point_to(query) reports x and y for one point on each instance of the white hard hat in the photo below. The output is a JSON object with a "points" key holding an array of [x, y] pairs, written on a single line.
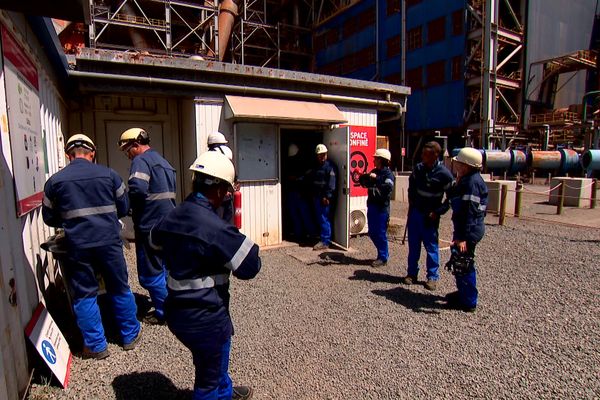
{"points": [[133, 135], [469, 156], [216, 138], [321, 148], [216, 165], [293, 150], [225, 150], [79, 140], [383, 153]]}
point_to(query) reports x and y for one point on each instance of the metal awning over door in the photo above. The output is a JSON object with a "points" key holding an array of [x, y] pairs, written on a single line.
{"points": [[277, 110]]}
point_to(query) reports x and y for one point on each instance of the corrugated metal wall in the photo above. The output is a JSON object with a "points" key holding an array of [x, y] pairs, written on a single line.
{"points": [[360, 117], [23, 265]]}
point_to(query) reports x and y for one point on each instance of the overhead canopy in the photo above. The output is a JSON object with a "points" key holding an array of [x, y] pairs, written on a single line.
{"points": [[254, 108]]}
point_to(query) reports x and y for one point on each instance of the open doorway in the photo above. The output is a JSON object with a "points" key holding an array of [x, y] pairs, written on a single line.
{"points": [[299, 223]]}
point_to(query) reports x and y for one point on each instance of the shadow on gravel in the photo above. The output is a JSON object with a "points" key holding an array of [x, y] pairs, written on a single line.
{"points": [[336, 257], [147, 385], [418, 302], [365, 275], [585, 241], [143, 304]]}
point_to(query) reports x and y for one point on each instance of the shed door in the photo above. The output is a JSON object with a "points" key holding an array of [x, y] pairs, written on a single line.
{"points": [[337, 142]]}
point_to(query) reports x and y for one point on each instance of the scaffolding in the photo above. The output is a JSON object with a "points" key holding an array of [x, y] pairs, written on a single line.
{"points": [[154, 26], [267, 33], [493, 66]]}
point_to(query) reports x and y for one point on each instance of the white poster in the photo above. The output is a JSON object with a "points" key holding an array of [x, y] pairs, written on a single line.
{"points": [[50, 343], [24, 124]]}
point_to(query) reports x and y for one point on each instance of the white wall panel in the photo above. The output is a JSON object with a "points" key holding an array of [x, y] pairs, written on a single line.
{"points": [[208, 119], [261, 212], [359, 116]]}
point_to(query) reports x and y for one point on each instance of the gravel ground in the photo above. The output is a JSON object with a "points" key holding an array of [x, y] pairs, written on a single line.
{"points": [[332, 327]]}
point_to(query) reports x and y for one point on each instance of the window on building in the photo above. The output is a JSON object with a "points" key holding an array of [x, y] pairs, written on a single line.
{"points": [[393, 46], [458, 22], [457, 66], [410, 3], [393, 6], [436, 30], [414, 38], [366, 19], [414, 78], [349, 28], [436, 73], [394, 79]]}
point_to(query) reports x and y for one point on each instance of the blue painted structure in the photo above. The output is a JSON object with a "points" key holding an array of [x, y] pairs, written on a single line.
{"points": [[431, 106]]}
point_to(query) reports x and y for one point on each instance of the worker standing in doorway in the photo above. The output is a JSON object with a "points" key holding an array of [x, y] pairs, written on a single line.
{"points": [[468, 199], [152, 196], [380, 184], [87, 200], [201, 251], [322, 180], [427, 184]]}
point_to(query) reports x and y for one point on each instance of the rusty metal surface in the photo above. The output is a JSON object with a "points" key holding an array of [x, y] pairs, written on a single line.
{"points": [[247, 71], [544, 159]]}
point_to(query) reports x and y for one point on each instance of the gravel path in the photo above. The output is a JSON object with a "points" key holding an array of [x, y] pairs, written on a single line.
{"points": [[332, 327]]}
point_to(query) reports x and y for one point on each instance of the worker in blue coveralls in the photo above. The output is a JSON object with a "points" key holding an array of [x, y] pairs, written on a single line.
{"points": [[87, 200], [216, 142], [380, 184], [322, 181], [151, 196], [201, 251], [427, 184], [468, 199]]}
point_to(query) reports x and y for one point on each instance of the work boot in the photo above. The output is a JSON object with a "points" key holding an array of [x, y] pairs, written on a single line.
{"points": [[409, 280], [431, 285], [242, 393], [320, 246], [87, 354], [134, 342], [153, 319], [378, 263]]}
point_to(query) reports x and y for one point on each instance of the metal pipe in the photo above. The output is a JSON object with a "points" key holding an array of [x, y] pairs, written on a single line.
{"points": [[591, 160], [387, 104], [584, 116]]}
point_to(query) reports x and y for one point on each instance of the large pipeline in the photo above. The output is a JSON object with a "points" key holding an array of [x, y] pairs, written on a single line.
{"points": [[513, 161], [591, 160]]}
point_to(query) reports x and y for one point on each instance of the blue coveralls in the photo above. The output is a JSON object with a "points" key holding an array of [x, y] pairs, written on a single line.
{"points": [[200, 251], [86, 200], [322, 183], [426, 190], [152, 196], [468, 199], [378, 210]]}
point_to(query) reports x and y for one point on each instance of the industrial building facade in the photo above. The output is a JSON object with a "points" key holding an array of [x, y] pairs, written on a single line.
{"points": [[503, 64]]}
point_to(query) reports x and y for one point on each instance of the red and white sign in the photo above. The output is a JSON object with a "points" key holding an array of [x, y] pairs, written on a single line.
{"points": [[363, 143], [403, 152], [50, 343], [24, 124]]}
